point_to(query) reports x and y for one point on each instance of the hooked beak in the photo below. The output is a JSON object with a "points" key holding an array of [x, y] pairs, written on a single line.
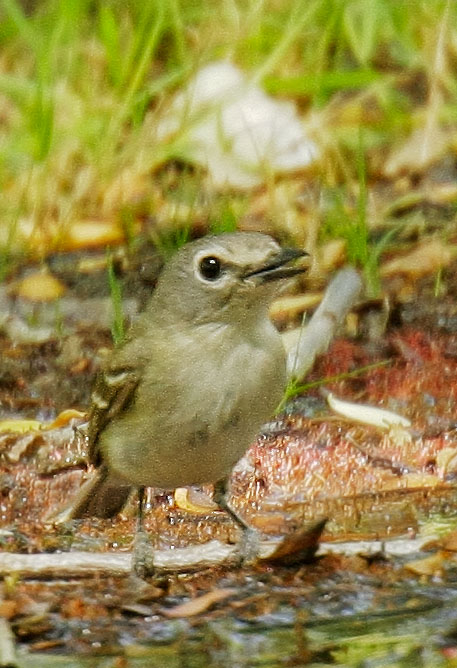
{"points": [[277, 270]]}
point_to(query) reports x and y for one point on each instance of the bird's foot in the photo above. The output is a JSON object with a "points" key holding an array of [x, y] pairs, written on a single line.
{"points": [[143, 555]]}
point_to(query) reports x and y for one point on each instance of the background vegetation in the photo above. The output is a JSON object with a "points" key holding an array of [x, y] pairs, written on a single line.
{"points": [[82, 84]]}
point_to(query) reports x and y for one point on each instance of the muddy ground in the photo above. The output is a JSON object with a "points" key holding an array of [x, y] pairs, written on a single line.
{"points": [[350, 604]]}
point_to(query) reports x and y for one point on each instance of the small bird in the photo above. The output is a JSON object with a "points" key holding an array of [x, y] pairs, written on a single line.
{"points": [[201, 370]]}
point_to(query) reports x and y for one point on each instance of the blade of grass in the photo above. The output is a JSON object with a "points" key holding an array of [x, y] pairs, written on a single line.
{"points": [[43, 121], [117, 326], [438, 286], [361, 236], [168, 243], [146, 41], [109, 34], [361, 27], [301, 14], [145, 56], [225, 220], [326, 82], [178, 29], [23, 26], [294, 388]]}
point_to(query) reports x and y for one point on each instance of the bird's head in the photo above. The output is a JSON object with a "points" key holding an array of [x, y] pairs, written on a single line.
{"points": [[226, 278]]}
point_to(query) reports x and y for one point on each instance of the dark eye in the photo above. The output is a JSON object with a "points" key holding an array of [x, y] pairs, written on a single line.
{"points": [[210, 268]]}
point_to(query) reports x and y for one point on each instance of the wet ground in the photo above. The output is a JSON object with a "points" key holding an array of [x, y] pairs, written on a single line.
{"points": [[368, 608]]}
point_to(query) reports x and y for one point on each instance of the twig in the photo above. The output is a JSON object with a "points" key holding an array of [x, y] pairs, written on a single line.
{"points": [[300, 546], [79, 564]]}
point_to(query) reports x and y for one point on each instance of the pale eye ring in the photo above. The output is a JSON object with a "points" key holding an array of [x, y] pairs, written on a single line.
{"points": [[210, 268]]}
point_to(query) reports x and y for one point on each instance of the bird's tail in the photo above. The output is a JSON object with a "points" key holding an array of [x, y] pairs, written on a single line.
{"points": [[102, 496]]}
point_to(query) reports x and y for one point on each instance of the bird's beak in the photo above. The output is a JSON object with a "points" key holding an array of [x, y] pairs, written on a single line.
{"points": [[277, 270]]}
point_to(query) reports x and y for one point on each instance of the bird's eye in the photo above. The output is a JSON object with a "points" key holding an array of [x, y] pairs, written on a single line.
{"points": [[210, 268]]}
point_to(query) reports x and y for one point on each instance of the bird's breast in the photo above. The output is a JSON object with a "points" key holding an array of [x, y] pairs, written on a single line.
{"points": [[208, 403]]}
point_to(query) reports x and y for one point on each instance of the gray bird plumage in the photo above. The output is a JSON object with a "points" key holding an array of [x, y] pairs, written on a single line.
{"points": [[202, 369]]}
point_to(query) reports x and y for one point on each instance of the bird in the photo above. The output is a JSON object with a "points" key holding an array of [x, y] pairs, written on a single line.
{"points": [[201, 370]]}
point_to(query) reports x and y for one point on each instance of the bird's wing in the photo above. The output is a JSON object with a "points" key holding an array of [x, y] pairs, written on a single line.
{"points": [[114, 390]]}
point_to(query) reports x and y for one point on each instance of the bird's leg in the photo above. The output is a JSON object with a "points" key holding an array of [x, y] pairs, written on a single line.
{"points": [[143, 554], [140, 509], [249, 543]]}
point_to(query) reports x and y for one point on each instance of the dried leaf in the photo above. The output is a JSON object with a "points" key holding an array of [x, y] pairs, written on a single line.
{"points": [[297, 547], [200, 604], [24, 426], [64, 418], [20, 426], [432, 565], [427, 258], [424, 147], [193, 502], [332, 254], [8, 609], [270, 522], [89, 233], [25, 442], [446, 461], [288, 307], [450, 542], [40, 286], [441, 193], [378, 417], [137, 609]]}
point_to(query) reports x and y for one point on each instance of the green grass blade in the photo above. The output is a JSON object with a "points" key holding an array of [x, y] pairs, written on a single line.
{"points": [[23, 26], [325, 82], [108, 31], [117, 326]]}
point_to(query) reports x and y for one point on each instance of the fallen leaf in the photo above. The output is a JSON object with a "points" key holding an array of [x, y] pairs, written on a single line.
{"points": [[371, 415], [193, 501], [441, 193], [432, 565], [332, 254], [298, 547], [89, 233], [269, 522], [137, 609], [24, 426], [288, 307], [422, 148], [20, 426], [45, 645], [24, 443], [427, 258], [40, 286], [446, 461], [8, 609], [64, 418], [450, 542], [200, 604]]}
